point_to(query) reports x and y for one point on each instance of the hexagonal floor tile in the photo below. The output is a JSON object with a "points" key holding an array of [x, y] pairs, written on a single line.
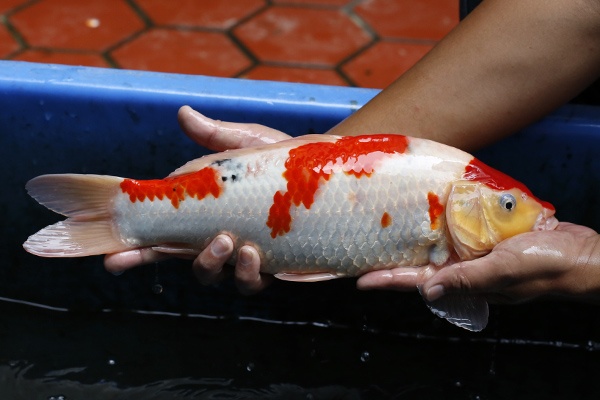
{"points": [[289, 74], [304, 36], [207, 13], [423, 19], [7, 43], [7, 5], [313, 2], [186, 52], [380, 65], [58, 57], [76, 24]]}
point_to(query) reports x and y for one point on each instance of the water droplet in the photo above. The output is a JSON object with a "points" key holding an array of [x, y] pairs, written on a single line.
{"points": [[310, 396], [58, 397], [592, 346], [365, 356], [250, 367], [157, 288], [112, 362], [458, 384], [48, 116]]}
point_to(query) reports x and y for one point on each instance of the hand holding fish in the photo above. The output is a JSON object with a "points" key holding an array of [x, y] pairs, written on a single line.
{"points": [[564, 262]]}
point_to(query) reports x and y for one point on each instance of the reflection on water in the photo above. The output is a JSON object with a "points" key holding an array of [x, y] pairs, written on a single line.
{"points": [[54, 354], [64, 385]]}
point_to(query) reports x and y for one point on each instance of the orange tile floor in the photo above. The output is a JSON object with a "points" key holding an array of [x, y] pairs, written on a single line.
{"points": [[365, 43]]}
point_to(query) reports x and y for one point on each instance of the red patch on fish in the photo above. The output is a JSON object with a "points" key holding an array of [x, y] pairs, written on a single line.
{"points": [[310, 165], [435, 210], [480, 172], [386, 220], [197, 184]]}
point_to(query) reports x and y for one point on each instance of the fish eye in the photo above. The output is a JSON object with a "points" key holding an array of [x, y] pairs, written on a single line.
{"points": [[508, 202]]}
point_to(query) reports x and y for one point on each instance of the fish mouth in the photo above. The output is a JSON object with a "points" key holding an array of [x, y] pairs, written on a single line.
{"points": [[546, 221]]}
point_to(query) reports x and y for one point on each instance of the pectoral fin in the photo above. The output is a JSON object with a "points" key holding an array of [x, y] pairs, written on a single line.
{"points": [[176, 250], [467, 311], [317, 277]]}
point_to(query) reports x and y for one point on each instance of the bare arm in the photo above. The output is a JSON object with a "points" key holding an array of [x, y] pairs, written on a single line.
{"points": [[506, 65]]}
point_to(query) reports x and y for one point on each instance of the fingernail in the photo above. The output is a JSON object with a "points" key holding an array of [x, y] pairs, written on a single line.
{"points": [[435, 292], [245, 258], [219, 247]]}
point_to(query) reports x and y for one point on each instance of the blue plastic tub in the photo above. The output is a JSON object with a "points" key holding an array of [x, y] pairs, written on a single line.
{"points": [[85, 120], [90, 120]]}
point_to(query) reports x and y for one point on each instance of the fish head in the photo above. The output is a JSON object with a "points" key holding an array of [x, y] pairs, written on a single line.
{"points": [[484, 211]]}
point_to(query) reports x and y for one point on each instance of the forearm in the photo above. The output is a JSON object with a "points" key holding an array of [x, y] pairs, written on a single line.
{"points": [[506, 65]]}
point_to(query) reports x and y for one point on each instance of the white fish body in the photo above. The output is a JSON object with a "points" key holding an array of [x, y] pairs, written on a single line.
{"points": [[315, 207]]}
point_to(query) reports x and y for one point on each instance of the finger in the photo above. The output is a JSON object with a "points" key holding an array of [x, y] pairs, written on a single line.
{"points": [[208, 266], [248, 278], [401, 279], [118, 263], [219, 136], [487, 274]]}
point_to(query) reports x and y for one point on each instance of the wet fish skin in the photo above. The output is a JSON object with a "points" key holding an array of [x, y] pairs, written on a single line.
{"points": [[315, 207]]}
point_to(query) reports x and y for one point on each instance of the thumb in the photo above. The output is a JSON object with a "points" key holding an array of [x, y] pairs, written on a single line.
{"points": [[219, 135]]}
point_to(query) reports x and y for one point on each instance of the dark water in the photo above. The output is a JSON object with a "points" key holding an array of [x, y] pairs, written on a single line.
{"points": [[56, 354]]}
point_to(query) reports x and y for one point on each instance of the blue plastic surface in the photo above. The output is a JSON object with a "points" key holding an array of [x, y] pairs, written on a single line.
{"points": [[88, 120]]}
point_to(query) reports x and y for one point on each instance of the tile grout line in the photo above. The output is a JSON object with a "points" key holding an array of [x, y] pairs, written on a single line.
{"points": [[148, 24], [254, 60], [348, 9], [140, 13], [16, 35], [14, 32], [292, 64]]}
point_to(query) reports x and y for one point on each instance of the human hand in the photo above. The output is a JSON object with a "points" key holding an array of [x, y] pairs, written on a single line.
{"points": [[562, 262], [209, 265]]}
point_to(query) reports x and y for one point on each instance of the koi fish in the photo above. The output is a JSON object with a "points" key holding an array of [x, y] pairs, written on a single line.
{"points": [[316, 207]]}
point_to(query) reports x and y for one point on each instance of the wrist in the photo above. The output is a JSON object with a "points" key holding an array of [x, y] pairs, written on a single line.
{"points": [[585, 284]]}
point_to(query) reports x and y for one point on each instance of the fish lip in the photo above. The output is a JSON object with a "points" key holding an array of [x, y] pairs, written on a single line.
{"points": [[546, 221]]}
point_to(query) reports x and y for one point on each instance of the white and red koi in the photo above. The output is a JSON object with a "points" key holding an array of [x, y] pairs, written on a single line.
{"points": [[316, 207]]}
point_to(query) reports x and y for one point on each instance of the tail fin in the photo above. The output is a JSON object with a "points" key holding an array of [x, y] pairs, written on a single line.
{"points": [[85, 200]]}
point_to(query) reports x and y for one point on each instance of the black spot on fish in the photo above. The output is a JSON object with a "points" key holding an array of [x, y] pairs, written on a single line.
{"points": [[230, 169], [221, 162]]}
